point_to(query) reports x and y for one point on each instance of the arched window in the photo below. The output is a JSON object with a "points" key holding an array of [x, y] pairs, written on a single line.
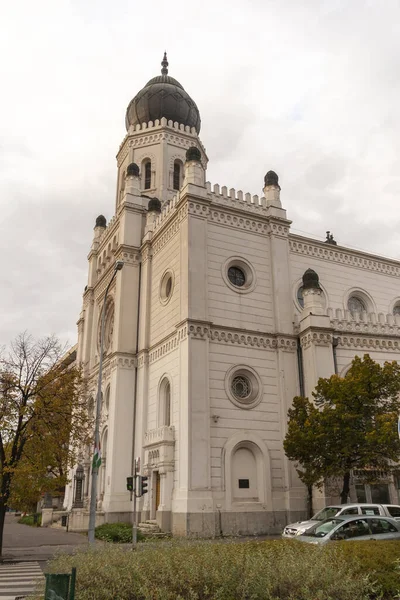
{"points": [[164, 414], [147, 175], [107, 400], [355, 304], [167, 404], [177, 175]]}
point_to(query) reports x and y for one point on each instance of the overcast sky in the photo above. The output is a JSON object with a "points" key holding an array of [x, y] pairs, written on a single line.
{"points": [[310, 89]]}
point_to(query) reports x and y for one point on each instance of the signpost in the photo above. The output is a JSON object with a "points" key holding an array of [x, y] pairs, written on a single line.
{"points": [[134, 526]]}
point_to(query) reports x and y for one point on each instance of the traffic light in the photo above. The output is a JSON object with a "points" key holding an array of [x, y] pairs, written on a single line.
{"points": [[142, 485], [129, 484]]}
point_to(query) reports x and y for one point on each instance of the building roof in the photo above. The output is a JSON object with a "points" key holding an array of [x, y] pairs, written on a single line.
{"points": [[163, 96]]}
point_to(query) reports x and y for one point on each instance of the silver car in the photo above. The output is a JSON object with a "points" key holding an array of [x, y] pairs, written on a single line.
{"points": [[352, 528], [336, 510]]}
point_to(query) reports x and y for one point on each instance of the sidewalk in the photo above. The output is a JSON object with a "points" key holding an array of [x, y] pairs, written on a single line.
{"points": [[24, 543]]}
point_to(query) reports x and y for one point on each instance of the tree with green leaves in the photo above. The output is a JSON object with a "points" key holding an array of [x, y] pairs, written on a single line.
{"points": [[351, 425], [301, 445], [43, 420]]}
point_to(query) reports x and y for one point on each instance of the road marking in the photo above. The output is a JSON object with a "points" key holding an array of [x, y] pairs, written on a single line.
{"points": [[19, 579]]}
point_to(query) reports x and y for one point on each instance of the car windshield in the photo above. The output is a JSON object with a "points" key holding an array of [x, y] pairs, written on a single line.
{"points": [[321, 529], [326, 513]]}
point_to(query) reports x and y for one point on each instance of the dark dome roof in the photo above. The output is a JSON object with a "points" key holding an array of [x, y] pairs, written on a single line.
{"points": [[311, 280], [154, 205], [163, 96], [193, 153], [132, 170], [271, 178], [101, 221]]}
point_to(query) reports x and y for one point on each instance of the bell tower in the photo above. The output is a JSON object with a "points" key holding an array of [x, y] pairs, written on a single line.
{"points": [[162, 122]]}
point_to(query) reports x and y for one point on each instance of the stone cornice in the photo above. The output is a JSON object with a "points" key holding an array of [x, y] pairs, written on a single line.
{"points": [[237, 220], [369, 343], [346, 256], [315, 338], [121, 360], [206, 330], [153, 133]]}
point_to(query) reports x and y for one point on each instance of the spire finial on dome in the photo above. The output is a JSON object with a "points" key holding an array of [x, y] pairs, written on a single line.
{"points": [[164, 64]]}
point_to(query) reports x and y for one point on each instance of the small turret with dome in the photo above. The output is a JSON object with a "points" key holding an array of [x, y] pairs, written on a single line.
{"points": [[163, 96]]}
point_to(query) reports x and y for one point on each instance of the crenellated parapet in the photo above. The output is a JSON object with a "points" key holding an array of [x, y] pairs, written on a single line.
{"points": [[236, 199]]}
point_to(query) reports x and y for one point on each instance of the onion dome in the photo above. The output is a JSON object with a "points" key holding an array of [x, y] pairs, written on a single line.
{"points": [[163, 96], [132, 170], [101, 221], [311, 280], [271, 178], [193, 153], [154, 205]]}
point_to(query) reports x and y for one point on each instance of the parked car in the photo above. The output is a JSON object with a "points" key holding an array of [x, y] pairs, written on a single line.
{"points": [[336, 510], [350, 528]]}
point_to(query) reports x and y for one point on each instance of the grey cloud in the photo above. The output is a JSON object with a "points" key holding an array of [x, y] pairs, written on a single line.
{"points": [[309, 89]]}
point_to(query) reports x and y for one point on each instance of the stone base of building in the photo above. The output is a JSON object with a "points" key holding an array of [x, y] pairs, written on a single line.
{"points": [[199, 525], [208, 525], [79, 519]]}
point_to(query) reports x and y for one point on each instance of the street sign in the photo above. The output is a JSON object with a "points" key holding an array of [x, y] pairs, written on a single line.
{"points": [[137, 464]]}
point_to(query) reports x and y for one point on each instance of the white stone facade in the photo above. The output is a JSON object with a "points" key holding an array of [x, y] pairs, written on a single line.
{"points": [[180, 335]]}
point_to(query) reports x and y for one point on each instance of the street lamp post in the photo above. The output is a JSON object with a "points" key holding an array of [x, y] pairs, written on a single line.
{"points": [[95, 467]]}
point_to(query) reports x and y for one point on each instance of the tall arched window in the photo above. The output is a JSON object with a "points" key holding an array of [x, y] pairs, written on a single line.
{"points": [[147, 175], [177, 175], [167, 404], [164, 403]]}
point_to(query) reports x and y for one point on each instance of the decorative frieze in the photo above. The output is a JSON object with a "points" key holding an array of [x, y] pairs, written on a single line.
{"points": [[299, 245], [316, 338], [202, 330], [368, 343], [237, 221]]}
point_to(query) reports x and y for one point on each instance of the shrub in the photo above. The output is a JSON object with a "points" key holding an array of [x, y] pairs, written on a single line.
{"points": [[120, 533], [276, 570], [30, 520], [379, 559]]}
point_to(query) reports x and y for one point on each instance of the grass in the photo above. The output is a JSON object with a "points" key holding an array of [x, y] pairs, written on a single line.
{"points": [[272, 570], [29, 520]]}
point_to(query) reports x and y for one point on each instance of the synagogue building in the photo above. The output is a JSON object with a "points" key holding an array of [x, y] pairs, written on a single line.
{"points": [[219, 317]]}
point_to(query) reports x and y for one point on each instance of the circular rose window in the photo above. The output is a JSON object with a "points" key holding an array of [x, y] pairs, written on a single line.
{"points": [[243, 386]]}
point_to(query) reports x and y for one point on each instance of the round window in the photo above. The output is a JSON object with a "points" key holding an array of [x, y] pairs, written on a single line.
{"points": [[239, 275], [166, 287], [243, 386], [396, 309], [236, 276], [355, 304], [300, 298]]}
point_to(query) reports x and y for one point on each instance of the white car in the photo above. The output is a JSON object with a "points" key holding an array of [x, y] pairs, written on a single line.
{"points": [[336, 510]]}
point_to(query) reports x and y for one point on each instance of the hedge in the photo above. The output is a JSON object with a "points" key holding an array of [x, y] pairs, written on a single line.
{"points": [[272, 570]]}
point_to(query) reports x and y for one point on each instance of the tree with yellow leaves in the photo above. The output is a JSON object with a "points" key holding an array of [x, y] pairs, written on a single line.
{"points": [[43, 420]]}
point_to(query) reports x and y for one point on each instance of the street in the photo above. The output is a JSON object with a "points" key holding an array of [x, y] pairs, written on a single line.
{"points": [[25, 553]]}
